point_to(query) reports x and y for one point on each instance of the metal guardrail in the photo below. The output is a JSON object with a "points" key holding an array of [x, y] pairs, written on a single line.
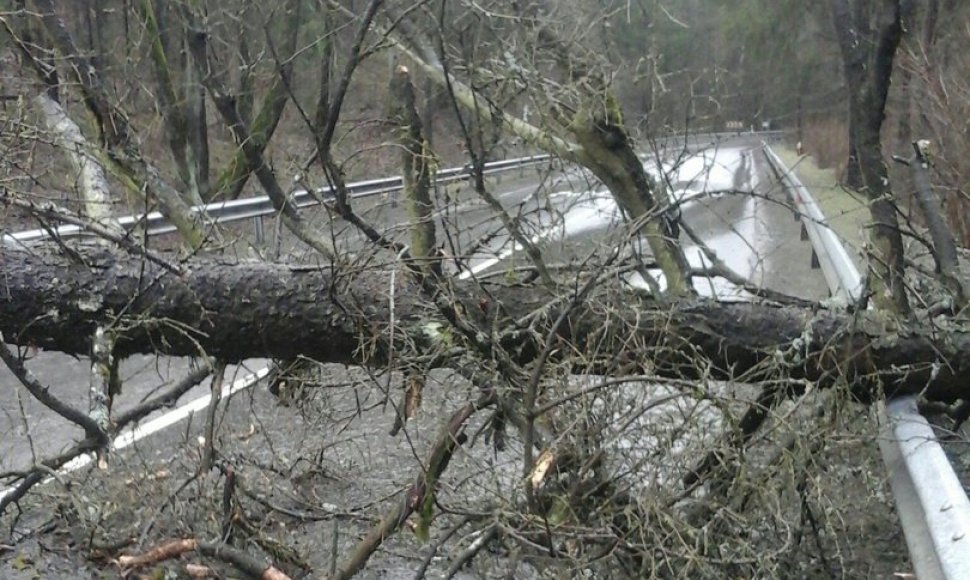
{"points": [[841, 274], [717, 137], [258, 207], [764, 135], [930, 500]]}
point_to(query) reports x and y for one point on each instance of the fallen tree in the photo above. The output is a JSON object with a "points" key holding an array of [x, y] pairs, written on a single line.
{"points": [[233, 311]]}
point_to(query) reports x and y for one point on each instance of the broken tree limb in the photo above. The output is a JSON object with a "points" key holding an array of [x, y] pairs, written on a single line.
{"points": [[175, 548], [944, 246], [416, 168], [235, 311], [104, 386]]}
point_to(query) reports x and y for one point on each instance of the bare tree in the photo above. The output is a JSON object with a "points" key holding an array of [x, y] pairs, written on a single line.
{"points": [[869, 33]]}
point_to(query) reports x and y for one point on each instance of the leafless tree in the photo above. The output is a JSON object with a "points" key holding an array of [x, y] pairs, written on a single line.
{"points": [[631, 432]]}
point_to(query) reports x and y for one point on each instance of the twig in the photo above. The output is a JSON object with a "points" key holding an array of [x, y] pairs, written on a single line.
{"points": [[210, 426], [471, 551], [38, 473], [415, 496], [531, 392], [751, 421], [721, 269], [52, 212], [166, 399], [175, 548], [91, 427], [422, 570]]}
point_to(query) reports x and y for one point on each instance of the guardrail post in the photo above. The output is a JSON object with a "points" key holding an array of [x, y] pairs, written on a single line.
{"points": [[260, 234]]}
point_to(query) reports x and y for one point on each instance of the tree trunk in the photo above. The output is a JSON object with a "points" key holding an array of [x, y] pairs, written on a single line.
{"points": [[92, 183], [121, 154], [868, 56], [195, 112], [246, 310], [262, 127]]}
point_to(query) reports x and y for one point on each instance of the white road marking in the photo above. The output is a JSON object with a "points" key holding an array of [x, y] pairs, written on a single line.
{"points": [[133, 435], [488, 263]]}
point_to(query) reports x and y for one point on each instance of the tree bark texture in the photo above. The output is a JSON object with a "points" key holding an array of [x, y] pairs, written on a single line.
{"points": [[235, 311], [868, 53]]}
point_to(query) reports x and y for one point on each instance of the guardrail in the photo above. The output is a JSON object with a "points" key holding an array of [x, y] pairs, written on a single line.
{"points": [[841, 274], [258, 207], [932, 505], [716, 137], [930, 500]]}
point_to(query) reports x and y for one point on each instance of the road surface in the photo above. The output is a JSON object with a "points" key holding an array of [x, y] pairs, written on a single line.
{"points": [[564, 212]]}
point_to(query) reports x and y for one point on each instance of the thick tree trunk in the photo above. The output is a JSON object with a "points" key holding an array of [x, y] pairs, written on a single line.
{"points": [[235, 311]]}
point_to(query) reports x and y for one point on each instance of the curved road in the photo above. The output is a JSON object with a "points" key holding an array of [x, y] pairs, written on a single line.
{"points": [[563, 212]]}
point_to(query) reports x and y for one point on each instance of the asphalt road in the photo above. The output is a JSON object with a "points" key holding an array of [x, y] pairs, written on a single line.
{"points": [[563, 212]]}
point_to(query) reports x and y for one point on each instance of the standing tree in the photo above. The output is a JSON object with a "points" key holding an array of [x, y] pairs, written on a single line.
{"points": [[869, 32]]}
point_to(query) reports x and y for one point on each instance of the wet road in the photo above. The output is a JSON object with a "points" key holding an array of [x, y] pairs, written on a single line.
{"points": [[567, 215]]}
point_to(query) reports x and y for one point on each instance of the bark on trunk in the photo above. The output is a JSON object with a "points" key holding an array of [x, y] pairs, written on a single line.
{"points": [[92, 183], [944, 246], [867, 55], [235, 311], [263, 126]]}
